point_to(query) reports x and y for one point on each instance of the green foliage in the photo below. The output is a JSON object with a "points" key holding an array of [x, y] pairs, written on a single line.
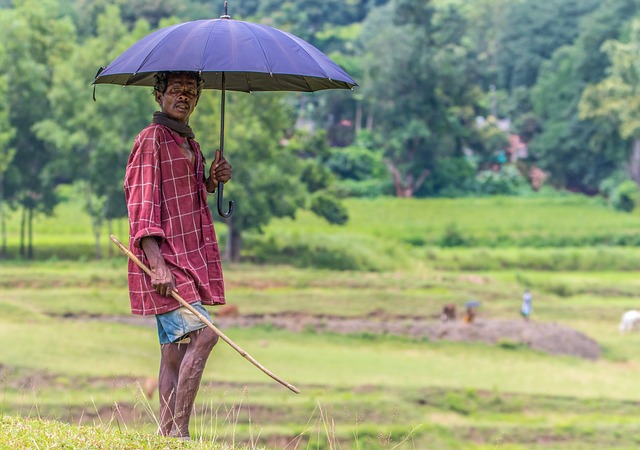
{"points": [[625, 196], [365, 188], [266, 174], [554, 23], [505, 181], [489, 147], [452, 177], [35, 39], [453, 237], [329, 208], [464, 403], [427, 112], [621, 192], [355, 163], [325, 252], [557, 96], [360, 169]]}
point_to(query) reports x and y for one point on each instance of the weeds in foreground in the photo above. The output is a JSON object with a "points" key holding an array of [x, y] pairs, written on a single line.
{"points": [[226, 425]]}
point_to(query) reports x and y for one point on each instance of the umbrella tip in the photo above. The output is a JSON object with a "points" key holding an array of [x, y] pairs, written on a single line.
{"points": [[226, 14]]}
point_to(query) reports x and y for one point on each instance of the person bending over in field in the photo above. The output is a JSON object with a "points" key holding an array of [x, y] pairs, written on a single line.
{"points": [[172, 232]]}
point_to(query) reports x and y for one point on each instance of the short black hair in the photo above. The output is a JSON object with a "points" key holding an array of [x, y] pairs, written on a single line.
{"points": [[162, 78]]}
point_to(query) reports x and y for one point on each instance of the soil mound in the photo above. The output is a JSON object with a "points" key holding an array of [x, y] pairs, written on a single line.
{"points": [[551, 338]]}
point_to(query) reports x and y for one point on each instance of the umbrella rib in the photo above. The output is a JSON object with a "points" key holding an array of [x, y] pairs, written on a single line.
{"points": [[206, 46], [266, 59], [264, 54], [288, 36]]}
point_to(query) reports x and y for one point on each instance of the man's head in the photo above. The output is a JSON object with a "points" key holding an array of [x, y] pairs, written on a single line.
{"points": [[177, 93]]}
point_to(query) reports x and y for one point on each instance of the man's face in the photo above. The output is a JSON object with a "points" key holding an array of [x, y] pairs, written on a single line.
{"points": [[180, 98]]}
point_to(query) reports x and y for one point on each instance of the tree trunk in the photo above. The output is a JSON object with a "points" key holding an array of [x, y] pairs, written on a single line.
{"points": [[98, 247], [30, 243], [358, 118], [3, 222], [3, 226], [634, 161], [234, 243], [109, 232], [405, 186], [23, 222], [369, 121]]}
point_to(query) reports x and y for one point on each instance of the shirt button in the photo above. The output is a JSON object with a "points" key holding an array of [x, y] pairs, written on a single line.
{"points": [[208, 239]]}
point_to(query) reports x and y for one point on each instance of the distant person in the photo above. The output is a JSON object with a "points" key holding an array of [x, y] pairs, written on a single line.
{"points": [[448, 312], [470, 314], [526, 308]]}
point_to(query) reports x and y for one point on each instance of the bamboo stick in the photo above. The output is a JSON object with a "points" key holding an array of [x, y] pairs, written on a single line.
{"points": [[184, 303]]}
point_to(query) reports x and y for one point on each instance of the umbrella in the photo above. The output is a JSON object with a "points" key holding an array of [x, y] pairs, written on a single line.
{"points": [[230, 55]]}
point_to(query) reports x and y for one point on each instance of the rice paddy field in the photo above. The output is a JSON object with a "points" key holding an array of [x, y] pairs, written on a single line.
{"points": [[73, 356]]}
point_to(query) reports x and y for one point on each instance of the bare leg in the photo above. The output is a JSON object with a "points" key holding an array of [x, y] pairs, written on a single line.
{"points": [[191, 369], [171, 359]]}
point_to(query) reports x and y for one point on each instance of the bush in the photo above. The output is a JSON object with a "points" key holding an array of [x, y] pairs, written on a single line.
{"points": [[363, 188], [453, 237], [355, 163], [324, 251], [329, 208], [506, 181], [452, 177], [625, 196]]}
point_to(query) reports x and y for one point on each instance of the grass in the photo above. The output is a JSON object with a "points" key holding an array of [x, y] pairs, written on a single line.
{"points": [[393, 384], [488, 221], [68, 362], [20, 432]]}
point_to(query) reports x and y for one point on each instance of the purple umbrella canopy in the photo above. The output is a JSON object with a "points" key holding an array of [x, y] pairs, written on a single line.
{"points": [[230, 55], [252, 56]]}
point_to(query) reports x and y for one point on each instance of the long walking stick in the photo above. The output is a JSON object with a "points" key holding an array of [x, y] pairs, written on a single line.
{"points": [[184, 303]]}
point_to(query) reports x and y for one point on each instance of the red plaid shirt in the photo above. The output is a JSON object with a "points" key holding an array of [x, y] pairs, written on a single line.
{"points": [[166, 198]]}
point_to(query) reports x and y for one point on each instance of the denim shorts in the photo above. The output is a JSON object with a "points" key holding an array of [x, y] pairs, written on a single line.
{"points": [[177, 324]]}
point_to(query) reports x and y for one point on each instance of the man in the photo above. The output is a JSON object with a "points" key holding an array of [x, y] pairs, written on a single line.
{"points": [[171, 230]]}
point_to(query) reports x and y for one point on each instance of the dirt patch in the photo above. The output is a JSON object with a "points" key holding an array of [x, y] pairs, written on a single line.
{"points": [[552, 338]]}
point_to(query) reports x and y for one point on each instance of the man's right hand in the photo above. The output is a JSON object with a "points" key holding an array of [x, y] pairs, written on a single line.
{"points": [[162, 279]]}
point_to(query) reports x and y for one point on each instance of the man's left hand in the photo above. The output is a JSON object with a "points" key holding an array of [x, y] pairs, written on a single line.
{"points": [[220, 170]]}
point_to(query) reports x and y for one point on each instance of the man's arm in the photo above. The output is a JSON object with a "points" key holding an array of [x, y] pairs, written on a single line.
{"points": [[162, 279]]}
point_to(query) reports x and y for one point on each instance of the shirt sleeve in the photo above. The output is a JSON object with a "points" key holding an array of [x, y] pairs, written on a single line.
{"points": [[142, 186]]}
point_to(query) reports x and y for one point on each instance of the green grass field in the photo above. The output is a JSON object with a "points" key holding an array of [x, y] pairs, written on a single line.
{"points": [[68, 357]]}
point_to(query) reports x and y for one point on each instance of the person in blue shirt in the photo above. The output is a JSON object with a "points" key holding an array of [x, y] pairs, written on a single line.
{"points": [[526, 308]]}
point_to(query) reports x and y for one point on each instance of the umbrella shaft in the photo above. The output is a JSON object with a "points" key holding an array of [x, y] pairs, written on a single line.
{"points": [[222, 107]]}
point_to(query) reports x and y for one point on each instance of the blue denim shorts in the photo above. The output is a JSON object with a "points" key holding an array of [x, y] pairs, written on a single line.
{"points": [[177, 324]]}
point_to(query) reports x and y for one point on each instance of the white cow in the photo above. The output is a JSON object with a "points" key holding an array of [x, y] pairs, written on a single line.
{"points": [[629, 321]]}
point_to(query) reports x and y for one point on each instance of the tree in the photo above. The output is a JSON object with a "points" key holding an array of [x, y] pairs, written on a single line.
{"points": [[93, 139], [616, 99], [532, 31], [36, 38], [7, 133], [486, 20], [556, 97], [421, 84], [266, 176], [567, 146]]}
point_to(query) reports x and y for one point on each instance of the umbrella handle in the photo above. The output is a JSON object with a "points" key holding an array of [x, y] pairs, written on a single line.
{"points": [[227, 214]]}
